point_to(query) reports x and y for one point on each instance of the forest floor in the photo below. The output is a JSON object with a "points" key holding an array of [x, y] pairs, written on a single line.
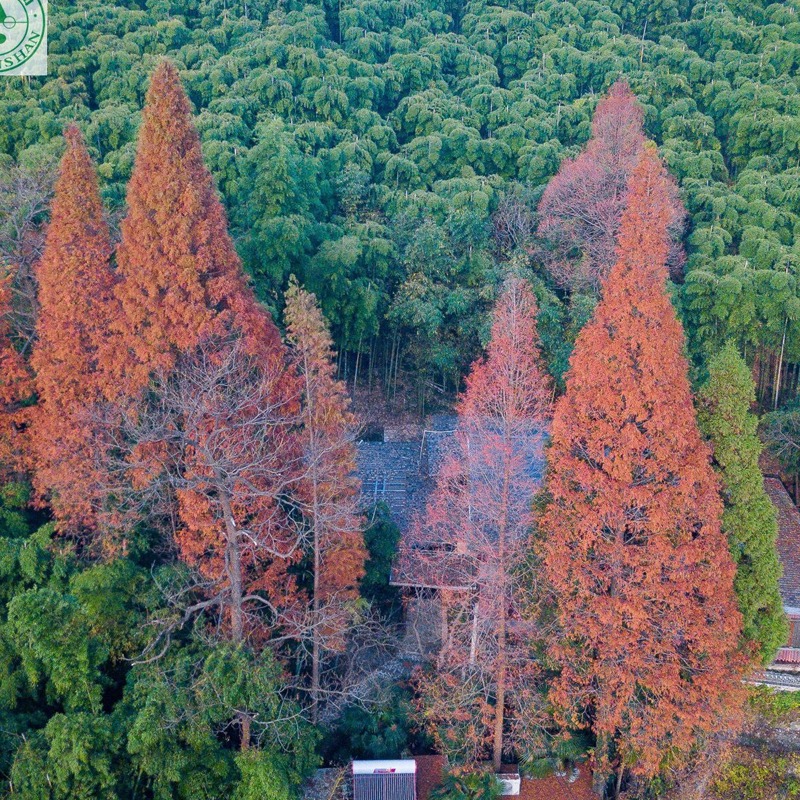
{"points": [[765, 762]]}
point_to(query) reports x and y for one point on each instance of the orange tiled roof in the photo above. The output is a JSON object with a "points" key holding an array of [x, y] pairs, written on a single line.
{"points": [[431, 769], [788, 655]]}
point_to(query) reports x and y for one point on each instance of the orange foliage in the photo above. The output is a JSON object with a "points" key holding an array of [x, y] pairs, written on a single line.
{"points": [[330, 488], [218, 429], [222, 430], [75, 289], [181, 281], [329, 491], [634, 550]]}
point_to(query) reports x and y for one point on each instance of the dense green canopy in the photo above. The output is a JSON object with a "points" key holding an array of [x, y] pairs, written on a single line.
{"points": [[367, 145], [749, 519]]}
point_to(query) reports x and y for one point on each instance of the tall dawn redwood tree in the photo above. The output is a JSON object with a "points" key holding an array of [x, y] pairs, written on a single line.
{"points": [[749, 518], [633, 545], [75, 292], [180, 280], [206, 440], [330, 492], [212, 453], [581, 209], [476, 531]]}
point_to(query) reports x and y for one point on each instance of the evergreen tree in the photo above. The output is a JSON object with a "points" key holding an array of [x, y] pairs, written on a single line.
{"points": [[634, 549], [749, 518], [75, 293]]}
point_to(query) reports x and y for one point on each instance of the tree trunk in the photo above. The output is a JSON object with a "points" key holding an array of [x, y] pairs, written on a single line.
{"points": [[499, 715], [619, 781], [442, 619], [779, 370], [500, 702], [233, 566], [316, 644], [473, 643], [358, 365], [600, 779], [315, 635]]}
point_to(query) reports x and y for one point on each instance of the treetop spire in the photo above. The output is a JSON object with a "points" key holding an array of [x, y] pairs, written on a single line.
{"points": [[181, 281]]}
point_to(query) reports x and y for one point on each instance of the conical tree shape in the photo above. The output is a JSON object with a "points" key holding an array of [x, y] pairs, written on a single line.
{"points": [[633, 546], [581, 208], [75, 290], [181, 281], [749, 519], [185, 305], [331, 492], [213, 444], [474, 539]]}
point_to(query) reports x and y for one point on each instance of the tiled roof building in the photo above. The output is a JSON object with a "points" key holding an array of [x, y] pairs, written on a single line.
{"points": [[788, 541], [787, 659], [401, 471]]}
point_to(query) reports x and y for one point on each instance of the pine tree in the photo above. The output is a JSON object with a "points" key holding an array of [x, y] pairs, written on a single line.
{"points": [[749, 518], [633, 545], [582, 206], [181, 281], [330, 493], [75, 290], [480, 513]]}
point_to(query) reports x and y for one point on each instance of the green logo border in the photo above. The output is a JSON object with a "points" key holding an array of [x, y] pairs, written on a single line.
{"points": [[18, 64]]}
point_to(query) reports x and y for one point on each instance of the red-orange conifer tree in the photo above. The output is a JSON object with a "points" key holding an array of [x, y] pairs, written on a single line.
{"points": [[212, 447], [581, 209], [180, 279], [633, 546], [75, 290], [474, 537], [184, 300], [330, 490]]}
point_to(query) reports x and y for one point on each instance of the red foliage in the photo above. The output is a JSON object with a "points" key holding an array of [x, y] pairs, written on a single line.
{"points": [[581, 209], [634, 549], [75, 288], [477, 524], [218, 429], [223, 417]]}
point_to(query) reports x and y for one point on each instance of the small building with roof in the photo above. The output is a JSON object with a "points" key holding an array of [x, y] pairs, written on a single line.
{"points": [[401, 471]]}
